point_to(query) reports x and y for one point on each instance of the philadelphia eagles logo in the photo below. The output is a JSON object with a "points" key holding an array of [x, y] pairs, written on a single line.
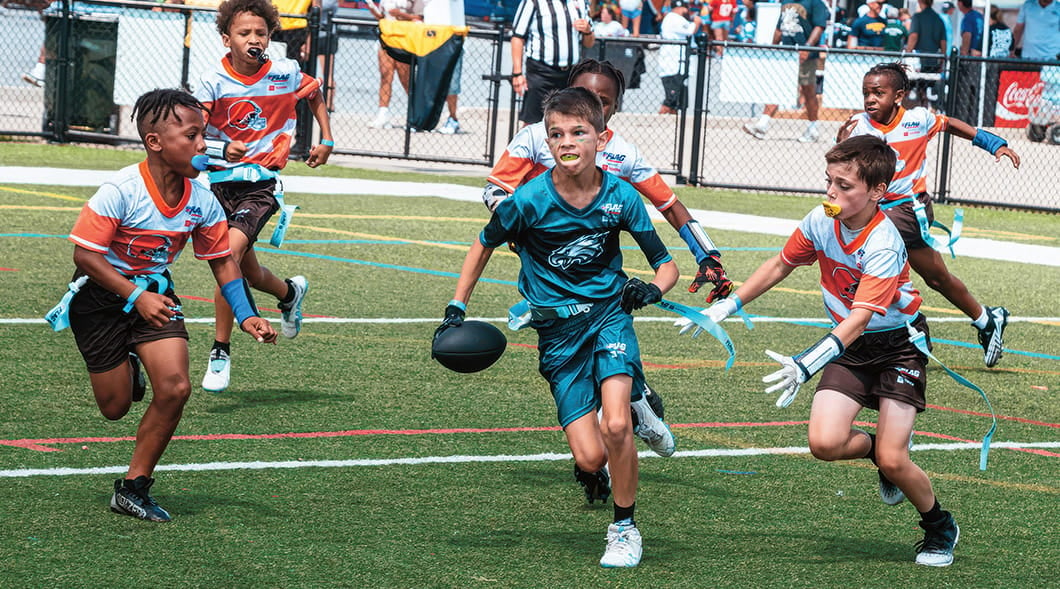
{"points": [[580, 251]]}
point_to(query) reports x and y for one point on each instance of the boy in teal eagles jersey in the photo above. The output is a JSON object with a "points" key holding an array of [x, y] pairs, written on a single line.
{"points": [[566, 225]]}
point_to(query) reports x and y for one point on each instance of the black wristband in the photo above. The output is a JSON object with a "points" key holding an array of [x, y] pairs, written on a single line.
{"points": [[517, 75]]}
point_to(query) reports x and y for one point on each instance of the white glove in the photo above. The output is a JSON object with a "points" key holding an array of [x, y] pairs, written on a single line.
{"points": [[716, 313], [492, 196], [788, 379]]}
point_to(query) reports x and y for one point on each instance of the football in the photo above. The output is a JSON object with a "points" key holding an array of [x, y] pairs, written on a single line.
{"points": [[469, 347]]}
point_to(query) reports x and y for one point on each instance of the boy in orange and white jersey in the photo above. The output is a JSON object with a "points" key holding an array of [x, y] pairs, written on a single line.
{"points": [[251, 125]]}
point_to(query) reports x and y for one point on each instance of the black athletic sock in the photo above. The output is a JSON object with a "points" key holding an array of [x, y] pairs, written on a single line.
{"points": [[287, 298], [223, 346], [933, 515], [622, 513], [872, 448]]}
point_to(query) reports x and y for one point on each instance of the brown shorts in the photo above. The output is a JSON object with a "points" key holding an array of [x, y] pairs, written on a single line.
{"points": [[904, 219], [105, 334], [883, 364], [808, 72], [248, 205]]}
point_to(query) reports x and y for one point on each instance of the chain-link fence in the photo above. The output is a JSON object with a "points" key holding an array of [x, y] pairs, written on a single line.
{"points": [[990, 93], [102, 55]]}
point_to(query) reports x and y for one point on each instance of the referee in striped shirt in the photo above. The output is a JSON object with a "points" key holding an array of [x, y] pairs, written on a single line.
{"points": [[550, 33]]}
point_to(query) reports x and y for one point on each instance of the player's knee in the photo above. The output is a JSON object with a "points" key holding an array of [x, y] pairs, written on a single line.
{"points": [[827, 448], [892, 463], [114, 409], [615, 429], [173, 392], [591, 461]]}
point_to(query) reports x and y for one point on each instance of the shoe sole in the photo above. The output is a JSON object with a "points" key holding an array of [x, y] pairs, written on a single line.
{"points": [[996, 348], [950, 561], [757, 135], [297, 309]]}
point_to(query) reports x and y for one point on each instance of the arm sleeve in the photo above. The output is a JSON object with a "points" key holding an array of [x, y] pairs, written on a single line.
{"points": [[503, 226], [99, 219], [799, 250], [523, 15]]}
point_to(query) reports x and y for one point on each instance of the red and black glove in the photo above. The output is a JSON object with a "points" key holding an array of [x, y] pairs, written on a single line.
{"points": [[711, 271]]}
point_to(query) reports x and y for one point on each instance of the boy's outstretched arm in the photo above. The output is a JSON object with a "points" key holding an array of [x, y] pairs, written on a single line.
{"points": [[319, 153], [474, 264], [985, 140], [771, 272], [235, 291]]}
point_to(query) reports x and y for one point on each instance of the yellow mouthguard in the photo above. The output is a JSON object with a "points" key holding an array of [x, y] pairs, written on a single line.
{"points": [[830, 209]]}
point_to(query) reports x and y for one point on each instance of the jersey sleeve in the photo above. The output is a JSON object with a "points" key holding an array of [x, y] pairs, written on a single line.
{"points": [[880, 279], [517, 162], [639, 225], [800, 249], [647, 180], [98, 222], [307, 86], [210, 237], [936, 123], [503, 226], [523, 15]]}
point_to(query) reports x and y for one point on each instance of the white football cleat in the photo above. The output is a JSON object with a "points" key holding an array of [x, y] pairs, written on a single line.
{"points": [[654, 431], [291, 313], [218, 372], [623, 547]]}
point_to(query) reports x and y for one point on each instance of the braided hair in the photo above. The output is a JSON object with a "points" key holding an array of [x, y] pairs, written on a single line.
{"points": [[604, 68], [160, 104], [896, 70]]}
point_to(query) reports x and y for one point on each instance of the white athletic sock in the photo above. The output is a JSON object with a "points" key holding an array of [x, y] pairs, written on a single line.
{"points": [[812, 126], [981, 322], [763, 121], [38, 70]]}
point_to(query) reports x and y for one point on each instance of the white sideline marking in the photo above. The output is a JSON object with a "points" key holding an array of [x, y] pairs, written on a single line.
{"points": [[463, 459], [972, 247], [395, 320]]}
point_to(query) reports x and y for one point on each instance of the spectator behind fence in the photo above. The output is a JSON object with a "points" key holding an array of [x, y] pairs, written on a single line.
{"points": [[631, 13], [894, 34], [999, 43], [1038, 30], [294, 32], [675, 27], [721, 14], [607, 26], [801, 24], [971, 29], [547, 33], [328, 39], [397, 10], [867, 30], [927, 35]]}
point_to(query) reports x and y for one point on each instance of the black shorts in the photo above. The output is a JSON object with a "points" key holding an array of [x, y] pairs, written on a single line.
{"points": [[541, 79], [675, 91], [105, 334], [883, 364], [904, 219], [248, 205]]}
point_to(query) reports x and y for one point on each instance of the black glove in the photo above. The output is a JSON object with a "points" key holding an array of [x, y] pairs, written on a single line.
{"points": [[637, 294], [711, 271], [454, 316]]}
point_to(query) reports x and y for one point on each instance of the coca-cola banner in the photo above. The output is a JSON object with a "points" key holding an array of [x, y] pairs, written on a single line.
{"points": [[1015, 90]]}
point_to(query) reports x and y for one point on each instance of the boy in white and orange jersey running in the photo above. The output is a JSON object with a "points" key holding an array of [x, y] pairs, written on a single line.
{"points": [[126, 312], [251, 125], [907, 202], [868, 359]]}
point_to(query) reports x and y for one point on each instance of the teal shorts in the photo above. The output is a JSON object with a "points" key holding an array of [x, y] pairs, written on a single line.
{"points": [[578, 353]]}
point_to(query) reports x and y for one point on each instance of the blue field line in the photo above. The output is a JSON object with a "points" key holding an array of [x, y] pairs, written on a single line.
{"points": [[34, 235]]}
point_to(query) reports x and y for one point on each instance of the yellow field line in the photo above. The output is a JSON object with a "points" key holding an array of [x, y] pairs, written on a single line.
{"points": [[40, 208], [39, 193]]}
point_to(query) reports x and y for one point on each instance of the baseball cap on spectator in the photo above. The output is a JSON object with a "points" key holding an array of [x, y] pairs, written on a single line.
{"points": [[678, 3], [947, 6]]}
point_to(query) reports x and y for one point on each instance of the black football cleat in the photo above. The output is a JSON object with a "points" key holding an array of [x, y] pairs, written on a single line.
{"points": [[132, 497]]}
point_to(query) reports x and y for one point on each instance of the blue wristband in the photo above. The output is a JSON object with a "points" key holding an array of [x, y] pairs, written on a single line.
{"points": [[237, 294], [131, 299], [327, 142], [459, 304], [988, 141]]}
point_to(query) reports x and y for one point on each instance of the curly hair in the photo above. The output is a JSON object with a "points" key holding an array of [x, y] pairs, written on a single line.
{"points": [[603, 68], [228, 10]]}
